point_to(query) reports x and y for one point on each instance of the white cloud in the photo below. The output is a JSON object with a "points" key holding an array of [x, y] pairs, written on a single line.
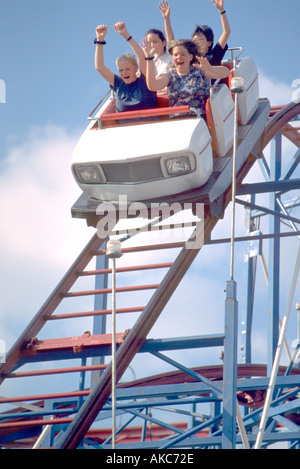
{"points": [[37, 191], [276, 91], [39, 239]]}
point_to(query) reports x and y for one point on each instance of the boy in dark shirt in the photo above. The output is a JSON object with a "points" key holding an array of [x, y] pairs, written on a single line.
{"points": [[132, 93]]}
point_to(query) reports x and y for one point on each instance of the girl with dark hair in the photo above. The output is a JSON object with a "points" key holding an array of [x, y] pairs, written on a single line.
{"points": [[162, 58]]}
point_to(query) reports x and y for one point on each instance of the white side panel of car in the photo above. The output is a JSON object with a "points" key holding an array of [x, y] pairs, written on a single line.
{"points": [[248, 100], [222, 108], [140, 141]]}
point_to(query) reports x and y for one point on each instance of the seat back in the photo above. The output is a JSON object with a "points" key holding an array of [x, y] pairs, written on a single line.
{"points": [[220, 119], [162, 100], [248, 100]]}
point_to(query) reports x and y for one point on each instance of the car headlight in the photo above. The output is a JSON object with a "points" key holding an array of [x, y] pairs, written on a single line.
{"points": [[90, 174], [178, 165]]}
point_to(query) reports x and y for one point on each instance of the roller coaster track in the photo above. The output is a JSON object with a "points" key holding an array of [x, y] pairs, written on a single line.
{"points": [[29, 349]]}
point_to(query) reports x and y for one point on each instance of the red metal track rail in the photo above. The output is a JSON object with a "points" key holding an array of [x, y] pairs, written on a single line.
{"points": [[50, 305]]}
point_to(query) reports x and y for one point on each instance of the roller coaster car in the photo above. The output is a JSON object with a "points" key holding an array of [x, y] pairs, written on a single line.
{"points": [[150, 153]]}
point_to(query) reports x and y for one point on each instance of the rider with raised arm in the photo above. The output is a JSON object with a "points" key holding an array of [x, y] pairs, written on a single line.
{"points": [[132, 93]]}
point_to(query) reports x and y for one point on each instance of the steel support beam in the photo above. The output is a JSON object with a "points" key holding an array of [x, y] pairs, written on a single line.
{"points": [[247, 306], [230, 367], [100, 304], [269, 186], [274, 254]]}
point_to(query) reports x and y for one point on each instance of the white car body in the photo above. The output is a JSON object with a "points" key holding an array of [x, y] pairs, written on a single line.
{"points": [[132, 159]]}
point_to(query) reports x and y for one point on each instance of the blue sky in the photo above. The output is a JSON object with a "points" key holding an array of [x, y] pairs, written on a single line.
{"points": [[47, 64]]}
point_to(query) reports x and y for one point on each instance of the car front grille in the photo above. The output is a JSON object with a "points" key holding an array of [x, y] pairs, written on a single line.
{"points": [[132, 172]]}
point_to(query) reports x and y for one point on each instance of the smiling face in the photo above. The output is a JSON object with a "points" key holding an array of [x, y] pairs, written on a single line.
{"points": [[182, 59], [127, 71]]}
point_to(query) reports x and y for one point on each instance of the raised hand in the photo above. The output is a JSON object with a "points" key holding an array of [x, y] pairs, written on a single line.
{"points": [[211, 71], [203, 64], [101, 31], [165, 9], [120, 28], [146, 46], [219, 4]]}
